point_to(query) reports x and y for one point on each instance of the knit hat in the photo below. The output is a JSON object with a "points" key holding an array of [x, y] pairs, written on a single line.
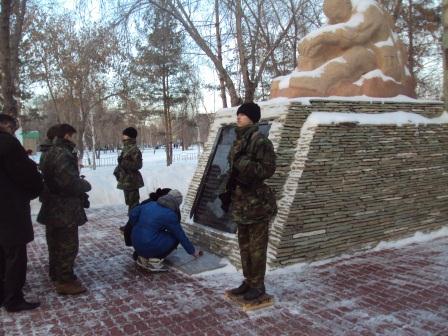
{"points": [[176, 195], [251, 110], [130, 132]]}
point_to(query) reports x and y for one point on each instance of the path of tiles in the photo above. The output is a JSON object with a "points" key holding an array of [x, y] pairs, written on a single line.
{"points": [[390, 292]]}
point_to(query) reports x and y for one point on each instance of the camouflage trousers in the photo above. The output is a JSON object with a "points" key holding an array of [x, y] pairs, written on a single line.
{"points": [[63, 245], [253, 242], [131, 198]]}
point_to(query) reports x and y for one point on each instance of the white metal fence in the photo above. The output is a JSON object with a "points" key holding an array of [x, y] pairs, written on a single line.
{"points": [[185, 157], [101, 162], [87, 161]]}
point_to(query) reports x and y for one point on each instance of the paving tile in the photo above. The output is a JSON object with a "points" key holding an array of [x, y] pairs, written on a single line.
{"points": [[396, 292]]}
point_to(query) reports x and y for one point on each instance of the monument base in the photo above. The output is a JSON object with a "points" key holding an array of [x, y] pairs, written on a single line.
{"points": [[349, 173]]}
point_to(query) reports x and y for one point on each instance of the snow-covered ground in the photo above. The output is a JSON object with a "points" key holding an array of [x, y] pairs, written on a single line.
{"points": [[155, 174], [232, 274]]}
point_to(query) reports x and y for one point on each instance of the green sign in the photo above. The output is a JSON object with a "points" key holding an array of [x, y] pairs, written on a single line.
{"points": [[31, 135]]}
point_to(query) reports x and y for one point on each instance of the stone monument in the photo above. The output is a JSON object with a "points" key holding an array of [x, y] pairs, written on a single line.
{"points": [[351, 171], [356, 54]]}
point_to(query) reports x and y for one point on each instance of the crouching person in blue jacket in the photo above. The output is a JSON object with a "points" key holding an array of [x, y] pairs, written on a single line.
{"points": [[156, 231]]}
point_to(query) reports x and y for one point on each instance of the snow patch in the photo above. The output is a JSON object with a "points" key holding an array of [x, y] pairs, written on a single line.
{"points": [[377, 73], [406, 71], [155, 174], [227, 269], [363, 5], [387, 43], [316, 73], [389, 118], [355, 21], [418, 237]]}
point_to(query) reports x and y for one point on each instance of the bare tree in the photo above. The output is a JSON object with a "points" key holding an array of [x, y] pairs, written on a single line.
{"points": [[445, 52], [11, 30], [222, 82], [418, 24], [76, 66], [249, 32]]}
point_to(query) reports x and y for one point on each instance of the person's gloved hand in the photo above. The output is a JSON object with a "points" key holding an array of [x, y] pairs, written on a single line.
{"points": [[117, 172], [85, 201], [225, 201]]}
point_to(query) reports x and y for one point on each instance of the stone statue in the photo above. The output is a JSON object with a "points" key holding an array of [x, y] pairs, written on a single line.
{"points": [[357, 53]]}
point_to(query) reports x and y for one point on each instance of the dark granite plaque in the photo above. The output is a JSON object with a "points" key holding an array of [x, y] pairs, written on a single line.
{"points": [[206, 209]]}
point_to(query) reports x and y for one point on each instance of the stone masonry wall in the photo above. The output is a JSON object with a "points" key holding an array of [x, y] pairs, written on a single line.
{"points": [[366, 183], [340, 186]]}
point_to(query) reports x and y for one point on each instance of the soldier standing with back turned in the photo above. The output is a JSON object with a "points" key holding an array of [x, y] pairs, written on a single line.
{"points": [[62, 211], [252, 202]]}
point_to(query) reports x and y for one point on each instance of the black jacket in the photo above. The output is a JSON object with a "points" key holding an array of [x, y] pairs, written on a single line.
{"points": [[20, 182]]}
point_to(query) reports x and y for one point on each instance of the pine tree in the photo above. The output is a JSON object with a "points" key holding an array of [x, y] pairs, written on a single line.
{"points": [[161, 71]]}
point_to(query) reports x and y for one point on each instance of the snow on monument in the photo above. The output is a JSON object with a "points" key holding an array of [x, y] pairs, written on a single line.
{"points": [[356, 54], [369, 165]]}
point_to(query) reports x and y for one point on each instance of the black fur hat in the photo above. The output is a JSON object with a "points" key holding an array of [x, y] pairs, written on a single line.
{"points": [[130, 132], [154, 196], [252, 111]]}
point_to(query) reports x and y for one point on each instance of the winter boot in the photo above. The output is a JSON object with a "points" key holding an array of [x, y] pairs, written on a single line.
{"points": [[72, 287], [151, 264], [243, 288], [21, 306], [135, 255], [254, 293]]}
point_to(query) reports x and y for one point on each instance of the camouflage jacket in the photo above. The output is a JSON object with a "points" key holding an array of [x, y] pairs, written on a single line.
{"points": [[129, 163], [251, 160], [64, 192], [44, 147]]}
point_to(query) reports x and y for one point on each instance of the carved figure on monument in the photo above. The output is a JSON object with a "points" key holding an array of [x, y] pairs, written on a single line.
{"points": [[357, 53]]}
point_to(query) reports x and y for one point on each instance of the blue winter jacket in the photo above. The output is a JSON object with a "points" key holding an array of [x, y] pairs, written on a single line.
{"points": [[157, 231]]}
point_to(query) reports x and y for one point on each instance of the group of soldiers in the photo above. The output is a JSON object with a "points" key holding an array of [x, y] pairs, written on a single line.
{"points": [[63, 194]]}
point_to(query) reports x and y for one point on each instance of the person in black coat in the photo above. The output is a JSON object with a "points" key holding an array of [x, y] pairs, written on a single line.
{"points": [[20, 182]]}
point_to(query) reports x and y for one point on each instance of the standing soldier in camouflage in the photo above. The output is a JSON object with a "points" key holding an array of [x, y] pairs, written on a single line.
{"points": [[127, 172], [62, 209], [252, 202], [48, 143]]}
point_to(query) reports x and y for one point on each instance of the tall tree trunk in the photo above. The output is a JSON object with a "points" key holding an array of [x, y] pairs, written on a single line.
{"points": [[180, 14], [82, 129], [19, 10], [445, 52], [411, 37], [167, 116], [222, 83], [8, 90], [92, 130], [397, 10], [248, 90], [82, 138]]}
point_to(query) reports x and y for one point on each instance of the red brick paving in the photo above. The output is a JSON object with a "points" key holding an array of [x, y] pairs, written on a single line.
{"points": [[391, 292]]}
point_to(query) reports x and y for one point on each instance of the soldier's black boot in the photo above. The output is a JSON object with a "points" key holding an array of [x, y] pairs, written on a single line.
{"points": [[22, 305], [243, 288], [254, 293]]}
